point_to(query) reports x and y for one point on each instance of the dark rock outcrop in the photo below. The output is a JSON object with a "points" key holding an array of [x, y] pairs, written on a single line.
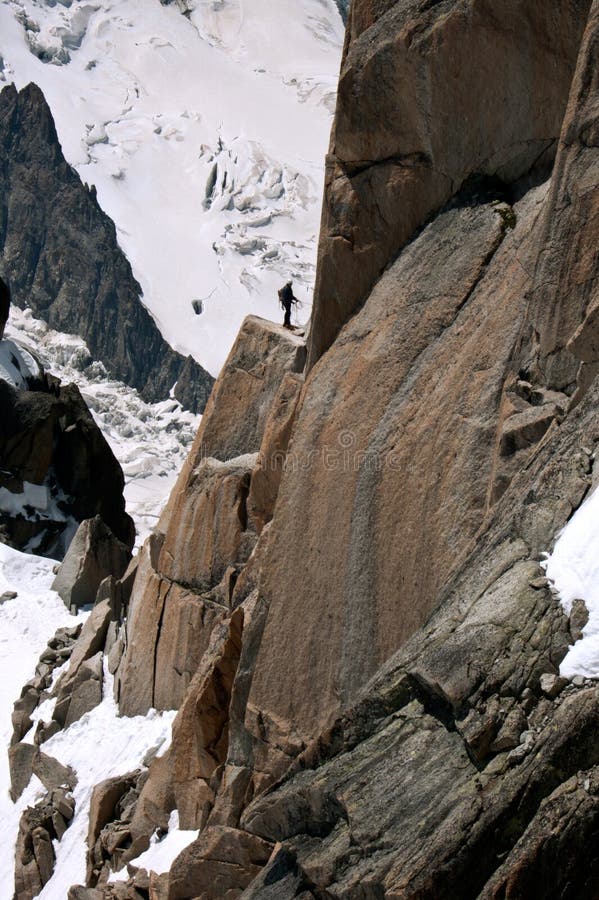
{"points": [[56, 469], [4, 306], [61, 254]]}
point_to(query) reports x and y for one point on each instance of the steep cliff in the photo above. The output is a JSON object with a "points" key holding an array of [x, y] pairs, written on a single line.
{"points": [[429, 95], [60, 253], [344, 598]]}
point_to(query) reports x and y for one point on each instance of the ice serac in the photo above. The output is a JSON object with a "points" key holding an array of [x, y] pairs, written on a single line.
{"points": [[429, 95], [61, 255]]}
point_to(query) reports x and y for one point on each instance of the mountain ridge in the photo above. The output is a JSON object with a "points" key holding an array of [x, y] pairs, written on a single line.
{"points": [[61, 256]]}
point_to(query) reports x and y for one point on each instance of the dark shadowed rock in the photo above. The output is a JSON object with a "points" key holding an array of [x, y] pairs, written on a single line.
{"points": [[4, 305]]}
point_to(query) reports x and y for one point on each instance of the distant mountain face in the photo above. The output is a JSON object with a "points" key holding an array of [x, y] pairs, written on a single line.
{"points": [[343, 8], [60, 253], [204, 128]]}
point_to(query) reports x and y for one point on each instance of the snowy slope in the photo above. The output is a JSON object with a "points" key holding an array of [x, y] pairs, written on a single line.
{"points": [[26, 624], [204, 126], [101, 744], [151, 441]]}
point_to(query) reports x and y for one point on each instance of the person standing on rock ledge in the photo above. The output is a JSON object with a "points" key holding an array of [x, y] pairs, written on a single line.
{"points": [[4, 306], [287, 300]]}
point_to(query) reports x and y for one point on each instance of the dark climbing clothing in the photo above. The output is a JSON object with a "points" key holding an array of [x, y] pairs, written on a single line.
{"points": [[287, 300], [4, 305]]}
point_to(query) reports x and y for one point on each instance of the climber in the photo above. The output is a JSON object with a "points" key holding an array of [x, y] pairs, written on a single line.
{"points": [[4, 305], [287, 300]]}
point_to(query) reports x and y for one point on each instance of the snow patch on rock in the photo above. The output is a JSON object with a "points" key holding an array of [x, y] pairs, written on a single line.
{"points": [[573, 569], [162, 853], [17, 365]]}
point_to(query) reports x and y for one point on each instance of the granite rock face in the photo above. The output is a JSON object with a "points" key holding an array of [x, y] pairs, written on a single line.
{"points": [[373, 706], [60, 253], [189, 567], [431, 94]]}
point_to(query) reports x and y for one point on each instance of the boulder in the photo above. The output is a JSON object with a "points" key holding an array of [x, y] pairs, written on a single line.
{"points": [[39, 828], [93, 555], [103, 810], [83, 694], [80, 688], [579, 616], [20, 761]]}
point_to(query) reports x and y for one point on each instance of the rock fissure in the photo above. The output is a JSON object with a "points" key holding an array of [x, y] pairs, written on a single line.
{"points": [[157, 644]]}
